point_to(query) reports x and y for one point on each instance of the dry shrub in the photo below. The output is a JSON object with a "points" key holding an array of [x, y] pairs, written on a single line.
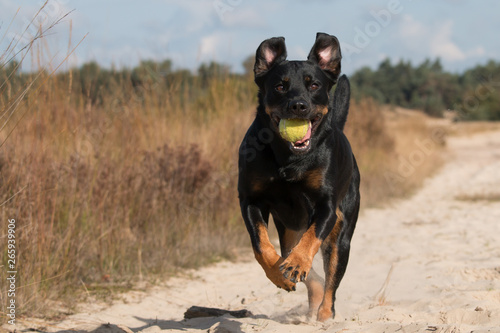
{"points": [[396, 150], [373, 147], [419, 143]]}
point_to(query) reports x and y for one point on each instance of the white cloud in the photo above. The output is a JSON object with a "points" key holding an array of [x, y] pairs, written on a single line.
{"points": [[441, 44], [208, 46], [411, 28], [215, 46], [433, 40], [194, 16]]}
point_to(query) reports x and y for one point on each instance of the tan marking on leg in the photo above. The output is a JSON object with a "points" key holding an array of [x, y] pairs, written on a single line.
{"points": [[309, 244], [271, 261], [325, 309], [299, 262], [314, 282]]}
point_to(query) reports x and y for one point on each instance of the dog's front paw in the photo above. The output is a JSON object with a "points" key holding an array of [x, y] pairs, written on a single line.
{"points": [[296, 267], [285, 284], [274, 274]]}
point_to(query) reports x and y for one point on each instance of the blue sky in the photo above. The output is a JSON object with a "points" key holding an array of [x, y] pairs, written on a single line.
{"points": [[121, 33]]}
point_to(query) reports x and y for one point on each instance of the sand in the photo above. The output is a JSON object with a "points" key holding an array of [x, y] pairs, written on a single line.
{"points": [[430, 263]]}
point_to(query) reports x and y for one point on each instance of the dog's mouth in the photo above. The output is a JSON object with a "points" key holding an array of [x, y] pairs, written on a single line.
{"points": [[304, 144]]}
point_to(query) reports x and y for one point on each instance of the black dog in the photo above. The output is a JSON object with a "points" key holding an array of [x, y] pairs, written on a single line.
{"points": [[311, 186]]}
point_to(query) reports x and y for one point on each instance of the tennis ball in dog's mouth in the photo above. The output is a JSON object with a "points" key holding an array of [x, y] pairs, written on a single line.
{"points": [[294, 130]]}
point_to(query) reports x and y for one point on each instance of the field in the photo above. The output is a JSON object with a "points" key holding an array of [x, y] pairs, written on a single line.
{"points": [[139, 182]]}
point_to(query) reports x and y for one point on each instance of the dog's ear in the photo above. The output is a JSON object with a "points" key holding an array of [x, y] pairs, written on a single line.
{"points": [[341, 100], [326, 53], [272, 51]]}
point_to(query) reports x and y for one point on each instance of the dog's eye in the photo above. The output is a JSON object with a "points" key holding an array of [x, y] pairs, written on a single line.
{"points": [[280, 88], [314, 86]]}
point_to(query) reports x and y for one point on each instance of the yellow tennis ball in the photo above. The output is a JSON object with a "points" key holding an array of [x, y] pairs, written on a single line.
{"points": [[293, 130]]}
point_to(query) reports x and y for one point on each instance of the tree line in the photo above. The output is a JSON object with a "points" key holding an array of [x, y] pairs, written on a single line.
{"points": [[472, 95]]}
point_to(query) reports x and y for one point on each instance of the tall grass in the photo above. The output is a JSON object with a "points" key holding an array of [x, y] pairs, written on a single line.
{"points": [[111, 194], [136, 182], [396, 149]]}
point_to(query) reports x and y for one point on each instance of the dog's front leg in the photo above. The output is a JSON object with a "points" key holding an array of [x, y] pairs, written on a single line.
{"points": [[256, 222], [297, 265]]}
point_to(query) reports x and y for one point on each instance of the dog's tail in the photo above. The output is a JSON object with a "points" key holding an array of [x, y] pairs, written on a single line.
{"points": [[341, 99]]}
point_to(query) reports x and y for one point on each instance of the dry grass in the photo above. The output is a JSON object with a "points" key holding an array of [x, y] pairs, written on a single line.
{"points": [[489, 197], [381, 296], [418, 149], [396, 150], [103, 190], [470, 128], [144, 182]]}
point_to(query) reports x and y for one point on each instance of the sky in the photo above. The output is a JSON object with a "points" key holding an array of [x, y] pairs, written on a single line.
{"points": [[121, 33]]}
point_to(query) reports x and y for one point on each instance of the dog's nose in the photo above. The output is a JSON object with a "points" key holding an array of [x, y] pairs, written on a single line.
{"points": [[298, 107]]}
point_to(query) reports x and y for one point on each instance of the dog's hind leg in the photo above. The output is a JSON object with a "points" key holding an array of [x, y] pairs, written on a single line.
{"points": [[315, 292], [336, 249]]}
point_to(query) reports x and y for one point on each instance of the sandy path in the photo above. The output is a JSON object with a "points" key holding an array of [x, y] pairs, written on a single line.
{"points": [[444, 254]]}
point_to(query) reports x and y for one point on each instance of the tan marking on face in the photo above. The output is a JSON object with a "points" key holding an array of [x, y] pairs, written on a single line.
{"points": [[323, 109], [268, 110]]}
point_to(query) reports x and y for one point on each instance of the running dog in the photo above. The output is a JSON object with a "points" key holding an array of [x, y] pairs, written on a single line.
{"points": [[310, 186]]}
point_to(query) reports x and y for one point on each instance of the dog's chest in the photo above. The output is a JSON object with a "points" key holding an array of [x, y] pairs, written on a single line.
{"points": [[292, 203]]}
